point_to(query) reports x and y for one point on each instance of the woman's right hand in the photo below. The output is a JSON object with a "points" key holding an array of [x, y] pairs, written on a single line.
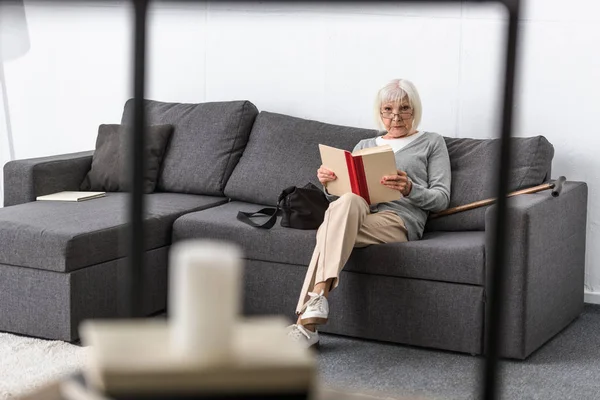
{"points": [[325, 175]]}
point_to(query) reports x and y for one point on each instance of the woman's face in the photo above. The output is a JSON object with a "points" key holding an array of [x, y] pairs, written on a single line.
{"points": [[397, 117]]}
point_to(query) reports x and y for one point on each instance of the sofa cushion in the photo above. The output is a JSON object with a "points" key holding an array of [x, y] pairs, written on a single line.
{"points": [[443, 256], [283, 151], [65, 236], [208, 140], [474, 165], [110, 161]]}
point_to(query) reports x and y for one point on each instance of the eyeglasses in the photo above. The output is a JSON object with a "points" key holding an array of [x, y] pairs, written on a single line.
{"points": [[402, 115]]}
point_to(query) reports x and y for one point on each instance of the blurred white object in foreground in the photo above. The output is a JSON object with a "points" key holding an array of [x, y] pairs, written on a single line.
{"points": [[132, 358], [204, 299], [205, 348]]}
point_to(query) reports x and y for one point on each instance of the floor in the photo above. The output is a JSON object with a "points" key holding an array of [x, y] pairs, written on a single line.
{"points": [[28, 363], [567, 367]]}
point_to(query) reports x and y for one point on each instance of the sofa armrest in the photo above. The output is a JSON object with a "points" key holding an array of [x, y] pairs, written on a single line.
{"points": [[545, 264], [24, 180]]}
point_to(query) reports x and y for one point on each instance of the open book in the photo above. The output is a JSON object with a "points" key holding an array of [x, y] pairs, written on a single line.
{"points": [[361, 172], [71, 196]]}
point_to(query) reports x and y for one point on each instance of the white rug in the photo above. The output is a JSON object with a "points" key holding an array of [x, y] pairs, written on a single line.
{"points": [[27, 364]]}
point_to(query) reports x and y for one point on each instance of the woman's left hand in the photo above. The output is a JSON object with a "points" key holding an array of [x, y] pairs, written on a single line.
{"points": [[398, 182]]}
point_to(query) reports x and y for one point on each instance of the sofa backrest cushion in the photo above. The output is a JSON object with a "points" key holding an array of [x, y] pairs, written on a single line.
{"points": [[474, 165], [207, 142], [110, 160], [283, 151]]}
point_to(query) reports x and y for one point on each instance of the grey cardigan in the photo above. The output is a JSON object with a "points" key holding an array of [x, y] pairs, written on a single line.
{"points": [[427, 164]]}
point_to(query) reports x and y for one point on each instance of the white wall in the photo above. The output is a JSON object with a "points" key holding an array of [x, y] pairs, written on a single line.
{"points": [[323, 62]]}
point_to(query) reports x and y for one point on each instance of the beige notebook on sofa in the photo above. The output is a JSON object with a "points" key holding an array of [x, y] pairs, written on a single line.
{"points": [[361, 172], [71, 196]]}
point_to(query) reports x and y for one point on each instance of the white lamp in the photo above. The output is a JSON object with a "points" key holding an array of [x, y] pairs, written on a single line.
{"points": [[14, 42]]}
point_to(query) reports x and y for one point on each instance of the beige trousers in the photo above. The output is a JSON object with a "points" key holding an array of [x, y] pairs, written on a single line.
{"points": [[348, 223]]}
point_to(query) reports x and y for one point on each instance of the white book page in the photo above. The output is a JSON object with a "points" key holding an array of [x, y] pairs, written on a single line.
{"points": [[378, 165], [335, 160]]}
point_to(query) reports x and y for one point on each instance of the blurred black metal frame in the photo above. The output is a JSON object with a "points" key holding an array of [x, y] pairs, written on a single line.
{"points": [[495, 284]]}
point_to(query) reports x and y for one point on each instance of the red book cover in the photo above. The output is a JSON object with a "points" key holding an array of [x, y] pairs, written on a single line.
{"points": [[359, 172], [352, 173], [356, 171]]}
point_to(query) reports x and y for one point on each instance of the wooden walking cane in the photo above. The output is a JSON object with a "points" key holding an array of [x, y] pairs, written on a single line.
{"points": [[556, 187]]}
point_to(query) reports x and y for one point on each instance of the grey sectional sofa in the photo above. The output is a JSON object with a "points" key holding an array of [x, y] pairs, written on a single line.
{"points": [[60, 263]]}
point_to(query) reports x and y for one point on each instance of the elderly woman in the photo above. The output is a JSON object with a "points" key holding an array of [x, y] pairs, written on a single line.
{"points": [[423, 179]]}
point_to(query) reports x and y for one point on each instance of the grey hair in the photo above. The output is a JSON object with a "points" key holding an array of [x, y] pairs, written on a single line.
{"points": [[395, 91]]}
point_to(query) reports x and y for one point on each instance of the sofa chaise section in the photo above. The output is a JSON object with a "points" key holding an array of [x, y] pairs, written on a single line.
{"points": [[65, 236], [50, 304], [60, 262]]}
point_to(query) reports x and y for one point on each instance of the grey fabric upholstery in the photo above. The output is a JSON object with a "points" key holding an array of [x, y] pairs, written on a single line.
{"points": [[61, 263], [24, 180], [544, 267], [262, 244], [65, 236], [411, 311], [283, 151], [207, 142], [110, 164], [474, 170], [441, 256], [51, 305], [457, 257]]}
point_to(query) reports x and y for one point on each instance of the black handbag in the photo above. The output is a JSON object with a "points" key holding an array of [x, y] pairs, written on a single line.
{"points": [[300, 208]]}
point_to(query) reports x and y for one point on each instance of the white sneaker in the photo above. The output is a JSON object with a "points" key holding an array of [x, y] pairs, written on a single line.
{"points": [[316, 310], [300, 334]]}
